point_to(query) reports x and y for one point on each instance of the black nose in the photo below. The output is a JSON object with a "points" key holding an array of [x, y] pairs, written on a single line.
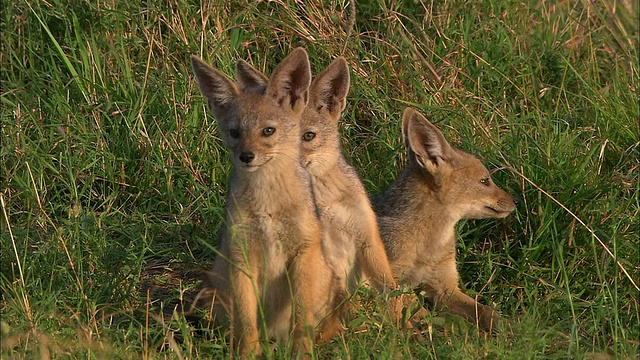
{"points": [[247, 156], [516, 202]]}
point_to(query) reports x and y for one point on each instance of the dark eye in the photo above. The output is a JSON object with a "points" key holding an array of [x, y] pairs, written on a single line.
{"points": [[308, 136], [234, 133], [485, 181], [268, 131]]}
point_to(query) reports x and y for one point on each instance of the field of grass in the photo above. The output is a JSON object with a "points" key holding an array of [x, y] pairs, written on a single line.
{"points": [[113, 175]]}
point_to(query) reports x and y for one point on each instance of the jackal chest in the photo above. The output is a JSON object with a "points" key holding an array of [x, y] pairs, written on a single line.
{"points": [[344, 216], [341, 234], [274, 236], [274, 240]]}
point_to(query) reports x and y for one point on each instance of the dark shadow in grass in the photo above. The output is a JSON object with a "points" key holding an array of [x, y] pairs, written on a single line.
{"points": [[171, 291], [170, 286]]}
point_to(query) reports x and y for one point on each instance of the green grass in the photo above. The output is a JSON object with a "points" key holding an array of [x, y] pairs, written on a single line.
{"points": [[113, 175]]}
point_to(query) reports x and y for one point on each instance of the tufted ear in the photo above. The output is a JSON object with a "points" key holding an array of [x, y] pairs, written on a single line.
{"points": [[328, 91], [249, 79], [425, 143], [289, 83], [216, 87]]}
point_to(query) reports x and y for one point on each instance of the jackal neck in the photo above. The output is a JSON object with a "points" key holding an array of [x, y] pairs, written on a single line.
{"points": [[335, 184], [271, 189], [415, 195]]}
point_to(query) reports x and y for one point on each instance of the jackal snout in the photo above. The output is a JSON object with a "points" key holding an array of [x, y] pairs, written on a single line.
{"points": [[475, 193], [504, 205], [247, 156]]}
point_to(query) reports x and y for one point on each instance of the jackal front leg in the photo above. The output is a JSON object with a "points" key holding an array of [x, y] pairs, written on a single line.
{"points": [[374, 263], [245, 313], [306, 266], [443, 292], [461, 304]]}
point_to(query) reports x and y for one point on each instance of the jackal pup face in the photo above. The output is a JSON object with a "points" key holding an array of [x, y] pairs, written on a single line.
{"points": [[258, 117], [459, 179], [319, 124]]}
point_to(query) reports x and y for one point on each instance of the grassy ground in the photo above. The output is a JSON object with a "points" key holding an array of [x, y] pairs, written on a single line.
{"points": [[113, 175]]}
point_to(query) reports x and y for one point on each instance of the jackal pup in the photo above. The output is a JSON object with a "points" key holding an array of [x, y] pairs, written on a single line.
{"points": [[270, 250], [351, 240], [417, 213]]}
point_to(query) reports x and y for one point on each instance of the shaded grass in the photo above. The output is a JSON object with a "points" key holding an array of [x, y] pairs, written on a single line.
{"points": [[110, 164]]}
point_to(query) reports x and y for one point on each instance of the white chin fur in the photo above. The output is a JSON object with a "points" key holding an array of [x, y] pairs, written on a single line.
{"points": [[253, 167], [250, 168]]}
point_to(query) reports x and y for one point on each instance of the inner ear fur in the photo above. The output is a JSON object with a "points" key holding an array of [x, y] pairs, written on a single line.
{"points": [[289, 83], [215, 86], [249, 78], [425, 143], [330, 88]]}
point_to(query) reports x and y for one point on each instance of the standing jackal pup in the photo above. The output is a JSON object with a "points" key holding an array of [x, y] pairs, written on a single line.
{"points": [[417, 214], [351, 240], [270, 250]]}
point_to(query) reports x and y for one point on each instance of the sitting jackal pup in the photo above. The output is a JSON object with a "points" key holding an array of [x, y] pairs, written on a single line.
{"points": [[417, 213], [270, 250], [351, 240]]}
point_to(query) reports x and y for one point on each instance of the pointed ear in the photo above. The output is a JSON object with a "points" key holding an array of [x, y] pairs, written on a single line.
{"points": [[425, 143], [249, 79], [216, 87], [329, 89], [289, 83]]}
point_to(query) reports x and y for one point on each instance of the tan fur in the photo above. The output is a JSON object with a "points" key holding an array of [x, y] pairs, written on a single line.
{"points": [[351, 238], [270, 250], [417, 214]]}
